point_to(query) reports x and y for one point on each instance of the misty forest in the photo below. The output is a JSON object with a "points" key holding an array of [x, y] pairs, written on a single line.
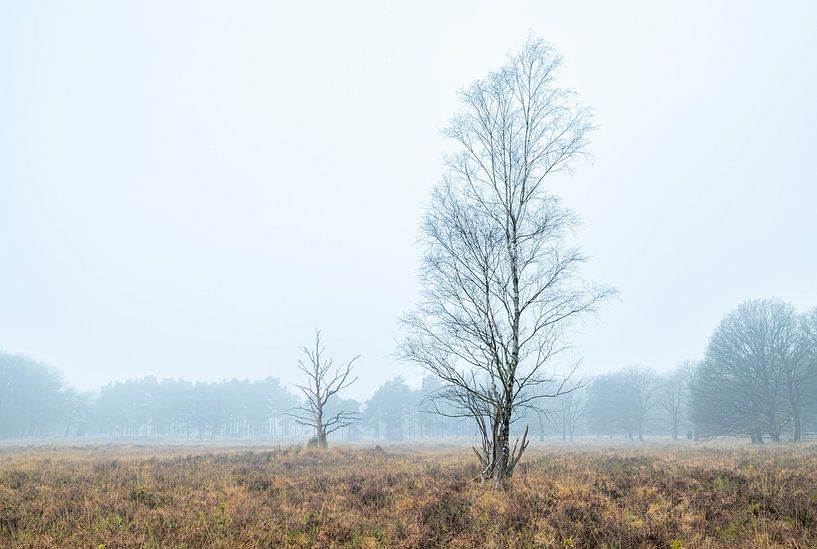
{"points": [[757, 380], [483, 424]]}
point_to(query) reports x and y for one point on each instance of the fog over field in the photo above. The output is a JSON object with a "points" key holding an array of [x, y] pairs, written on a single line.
{"points": [[190, 189], [383, 274]]}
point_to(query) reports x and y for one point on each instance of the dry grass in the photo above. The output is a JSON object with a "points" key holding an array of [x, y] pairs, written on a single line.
{"points": [[625, 496]]}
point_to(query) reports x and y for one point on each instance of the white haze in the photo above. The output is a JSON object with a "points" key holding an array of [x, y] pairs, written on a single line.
{"points": [[189, 188]]}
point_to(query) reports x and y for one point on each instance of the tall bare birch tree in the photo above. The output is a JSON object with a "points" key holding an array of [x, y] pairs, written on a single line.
{"points": [[500, 280]]}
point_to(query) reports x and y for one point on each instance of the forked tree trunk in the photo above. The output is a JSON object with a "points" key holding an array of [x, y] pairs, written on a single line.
{"points": [[505, 457], [497, 458]]}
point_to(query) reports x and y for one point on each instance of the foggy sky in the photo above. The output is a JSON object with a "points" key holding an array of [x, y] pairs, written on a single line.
{"points": [[190, 188]]}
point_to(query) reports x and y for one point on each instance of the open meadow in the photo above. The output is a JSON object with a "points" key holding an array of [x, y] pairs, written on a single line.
{"points": [[585, 495]]}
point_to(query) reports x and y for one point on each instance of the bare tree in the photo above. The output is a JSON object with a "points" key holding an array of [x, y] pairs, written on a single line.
{"points": [[622, 401], [798, 357], [324, 381], [500, 281], [742, 386], [689, 370], [639, 388], [672, 396], [808, 331], [569, 408], [75, 408], [602, 407]]}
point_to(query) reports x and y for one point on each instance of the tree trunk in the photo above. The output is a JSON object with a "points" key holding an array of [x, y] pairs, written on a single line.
{"points": [[797, 427], [501, 454], [498, 459], [320, 434]]}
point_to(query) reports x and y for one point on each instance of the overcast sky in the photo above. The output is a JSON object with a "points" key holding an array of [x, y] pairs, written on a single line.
{"points": [[190, 188]]}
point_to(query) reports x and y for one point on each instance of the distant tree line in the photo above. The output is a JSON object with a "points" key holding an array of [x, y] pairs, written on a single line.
{"points": [[148, 407], [35, 402], [757, 379], [637, 401]]}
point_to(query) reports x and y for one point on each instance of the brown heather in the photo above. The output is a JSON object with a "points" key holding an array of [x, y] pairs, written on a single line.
{"points": [[715, 495]]}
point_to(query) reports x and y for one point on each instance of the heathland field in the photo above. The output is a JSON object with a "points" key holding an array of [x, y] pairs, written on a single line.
{"points": [[590, 495]]}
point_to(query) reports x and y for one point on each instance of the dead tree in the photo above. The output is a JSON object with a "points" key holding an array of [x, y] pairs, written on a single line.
{"points": [[500, 279], [324, 381]]}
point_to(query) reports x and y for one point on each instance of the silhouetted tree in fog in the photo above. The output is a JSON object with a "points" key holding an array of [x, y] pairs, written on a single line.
{"points": [[689, 370], [30, 398], [809, 336], [755, 373], [639, 394], [324, 381], [568, 410], [671, 396], [395, 406], [76, 409], [622, 402], [602, 405], [799, 361]]}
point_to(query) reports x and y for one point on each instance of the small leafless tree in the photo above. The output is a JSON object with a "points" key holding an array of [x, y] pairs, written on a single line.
{"points": [[622, 401], [324, 381], [672, 397], [500, 280], [640, 396], [568, 411], [689, 370]]}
